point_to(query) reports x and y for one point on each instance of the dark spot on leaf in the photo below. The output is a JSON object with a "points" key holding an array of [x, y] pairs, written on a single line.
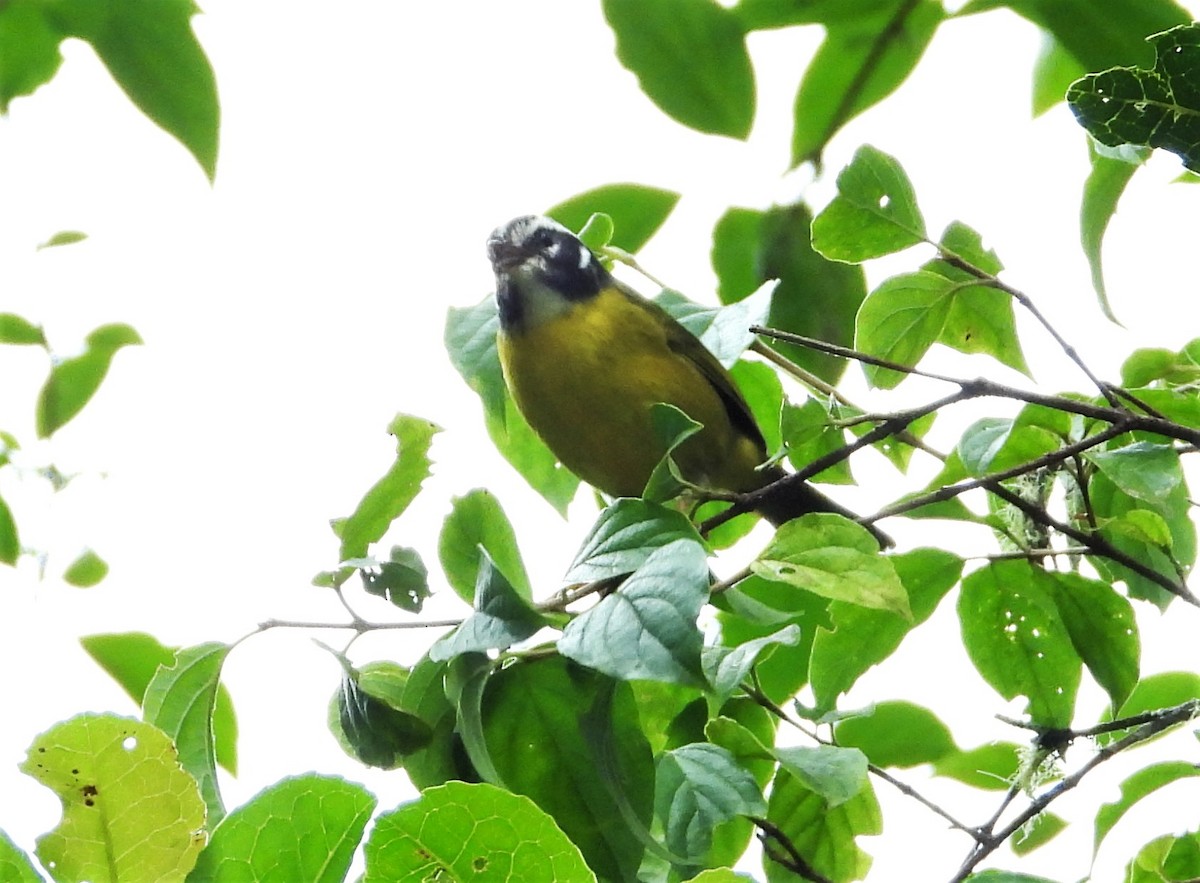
{"points": [[480, 863]]}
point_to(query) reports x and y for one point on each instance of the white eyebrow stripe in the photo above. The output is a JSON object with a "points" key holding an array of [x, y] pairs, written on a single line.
{"points": [[585, 256]]}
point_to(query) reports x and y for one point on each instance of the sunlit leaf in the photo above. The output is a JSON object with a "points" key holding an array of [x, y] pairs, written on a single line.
{"points": [[636, 211], [72, 382]]}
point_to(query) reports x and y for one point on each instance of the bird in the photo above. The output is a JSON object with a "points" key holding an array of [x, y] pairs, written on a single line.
{"points": [[586, 358]]}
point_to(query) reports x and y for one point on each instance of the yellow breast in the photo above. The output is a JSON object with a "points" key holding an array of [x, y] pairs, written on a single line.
{"points": [[586, 381]]}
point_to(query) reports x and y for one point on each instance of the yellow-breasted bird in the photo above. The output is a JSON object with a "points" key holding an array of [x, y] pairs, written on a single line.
{"points": [[586, 358]]}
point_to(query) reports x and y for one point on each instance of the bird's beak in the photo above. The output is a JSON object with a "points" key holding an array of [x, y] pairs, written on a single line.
{"points": [[505, 255]]}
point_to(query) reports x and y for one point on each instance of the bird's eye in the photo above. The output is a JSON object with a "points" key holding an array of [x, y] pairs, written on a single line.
{"points": [[540, 239]]}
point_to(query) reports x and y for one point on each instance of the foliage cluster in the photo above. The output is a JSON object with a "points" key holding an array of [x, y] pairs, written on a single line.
{"points": [[593, 732]]}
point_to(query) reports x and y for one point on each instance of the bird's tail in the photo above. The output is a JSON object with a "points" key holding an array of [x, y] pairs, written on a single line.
{"points": [[790, 501]]}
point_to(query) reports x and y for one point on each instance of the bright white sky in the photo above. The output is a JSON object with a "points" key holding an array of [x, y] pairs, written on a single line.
{"points": [[291, 309]]}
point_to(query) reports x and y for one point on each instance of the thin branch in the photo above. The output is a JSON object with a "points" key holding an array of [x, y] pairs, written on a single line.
{"points": [[771, 836], [1158, 721], [358, 625]]}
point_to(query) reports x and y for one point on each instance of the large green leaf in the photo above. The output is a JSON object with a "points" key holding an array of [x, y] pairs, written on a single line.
{"points": [[1158, 107], [29, 54], [835, 558], [624, 536], [533, 719], [181, 700], [859, 637], [1101, 192], [824, 836], [636, 211], [862, 60], [15, 865], [302, 828], [10, 542], [1016, 638], [477, 524], [367, 719], [696, 788], [690, 58], [502, 617], [874, 214], [151, 51], [130, 811], [1103, 631], [652, 617], [815, 297], [901, 319], [463, 831], [72, 382], [399, 486], [1136, 788], [898, 734], [133, 658]]}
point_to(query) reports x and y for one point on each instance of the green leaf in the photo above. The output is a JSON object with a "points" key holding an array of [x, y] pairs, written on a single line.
{"points": [[835, 558], [366, 718], [874, 214], [653, 614], [534, 721], [1136, 788], [859, 638], [996, 876], [836, 774], [1158, 107], [390, 496], [72, 382], [898, 734], [1109, 503], [149, 48], [1103, 631], [1101, 192], [724, 331], [10, 542], [470, 339], [824, 835], [1053, 72], [862, 60], [755, 608], [63, 237], [1038, 831], [402, 579], [133, 658], [991, 767], [809, 432], [85, 571], [993, 444], [1098, 36], [900, 320], [624, 537], [725, 668], [1017, 641], [1166, 859], [981, 318], [17, 867], [302, 828], [1143, 470], [425, 697], [13, 328], [1161, 690], [636, 210], [477, 521], [181, 701], [721, 875], [696, 788], [502, 617], [690, 59], [130, 811], [814, 297], [29, 53], [462, 831], [671, 428]]}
